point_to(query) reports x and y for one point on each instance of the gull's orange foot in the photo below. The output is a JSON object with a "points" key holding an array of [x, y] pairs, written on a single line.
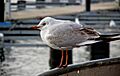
{"points": [[66, 61]]}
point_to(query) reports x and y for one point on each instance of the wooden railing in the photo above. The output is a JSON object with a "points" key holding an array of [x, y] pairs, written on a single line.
{"points": [[102, 67]]}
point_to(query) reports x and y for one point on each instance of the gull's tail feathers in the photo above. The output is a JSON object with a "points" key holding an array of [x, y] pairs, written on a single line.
{"points": [[105, 38]]}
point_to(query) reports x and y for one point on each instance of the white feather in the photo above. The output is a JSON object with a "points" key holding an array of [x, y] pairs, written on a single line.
{"points": [[77, 21], [112, 23]]}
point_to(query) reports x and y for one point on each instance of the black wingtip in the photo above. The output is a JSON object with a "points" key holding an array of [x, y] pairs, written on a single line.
{"points": [[106, 35]]}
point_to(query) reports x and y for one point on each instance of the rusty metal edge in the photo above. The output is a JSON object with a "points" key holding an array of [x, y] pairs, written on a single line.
{"points": [[82, 65]]}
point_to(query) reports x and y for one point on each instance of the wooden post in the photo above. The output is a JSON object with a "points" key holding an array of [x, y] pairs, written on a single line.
{"points": [[119, 3], [99, 50], [1, 10], [21, 4], [88, 5], [2, 57], [55, 57], [1, 35], [7, 9]]}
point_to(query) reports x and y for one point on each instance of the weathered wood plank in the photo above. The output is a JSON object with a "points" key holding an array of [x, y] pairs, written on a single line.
{"points": [[102, 67]]}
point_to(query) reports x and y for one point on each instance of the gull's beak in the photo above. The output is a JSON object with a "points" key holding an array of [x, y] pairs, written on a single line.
{"points": [[35, 27]]}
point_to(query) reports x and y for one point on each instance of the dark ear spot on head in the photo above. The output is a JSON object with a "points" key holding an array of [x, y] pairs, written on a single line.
{"points": [[44, 24]]}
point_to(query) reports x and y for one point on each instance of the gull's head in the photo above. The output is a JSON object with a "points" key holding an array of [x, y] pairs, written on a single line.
{"points": [[44, 22]]}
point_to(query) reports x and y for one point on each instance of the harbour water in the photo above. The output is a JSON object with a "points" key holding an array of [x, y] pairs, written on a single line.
{"points": [[31, 61]]}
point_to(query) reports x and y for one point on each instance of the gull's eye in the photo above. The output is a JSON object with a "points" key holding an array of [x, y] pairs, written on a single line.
{"points": [[44, 24]]}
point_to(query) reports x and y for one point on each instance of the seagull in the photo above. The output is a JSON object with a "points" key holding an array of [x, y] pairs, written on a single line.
{"points": [[64, 34], [112, 23], [77, 20]]}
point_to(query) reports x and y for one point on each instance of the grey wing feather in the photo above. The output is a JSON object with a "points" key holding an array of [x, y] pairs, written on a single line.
{"points": [[66, 34]]}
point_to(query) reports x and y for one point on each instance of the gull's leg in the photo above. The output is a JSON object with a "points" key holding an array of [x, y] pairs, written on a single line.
{"points": [[66, 62], [61, 61]]}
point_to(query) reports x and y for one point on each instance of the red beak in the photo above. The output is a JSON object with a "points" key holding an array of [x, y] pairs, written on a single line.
{"points": [[35, 27]]}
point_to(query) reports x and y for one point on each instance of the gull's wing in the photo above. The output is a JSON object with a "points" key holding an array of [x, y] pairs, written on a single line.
{"points": [[67, 34], [78, 27]]}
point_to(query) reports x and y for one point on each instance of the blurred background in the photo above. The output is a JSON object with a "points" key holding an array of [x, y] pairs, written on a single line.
{"points": [[22, 51]]}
